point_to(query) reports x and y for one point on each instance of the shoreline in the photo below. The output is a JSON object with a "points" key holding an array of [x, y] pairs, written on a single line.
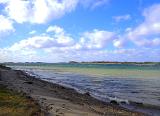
{"points": [[121, 102], [148, 109], [59, 100]]}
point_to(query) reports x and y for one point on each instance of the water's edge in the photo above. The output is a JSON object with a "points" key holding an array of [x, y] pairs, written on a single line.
{"points": [[148, 109]]}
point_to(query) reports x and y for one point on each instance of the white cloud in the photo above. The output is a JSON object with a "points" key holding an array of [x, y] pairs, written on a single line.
{"points": [[62, 45], [156, 41], [61, 55], [7, 55], [122, 18], [119, 43], [99, 3], [38, 11], [42, 11], [32, 32], [33, 42], [3, 1], [57, 39], [93, 3], [18, 12], [151, 12], [97, 39], [59, 47], [5, 25], [55, 29], [43, 42], [148, 32]]}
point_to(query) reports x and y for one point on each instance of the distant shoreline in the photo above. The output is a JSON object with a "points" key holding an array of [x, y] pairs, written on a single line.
{"points": [[114, 62], [94, 62]]}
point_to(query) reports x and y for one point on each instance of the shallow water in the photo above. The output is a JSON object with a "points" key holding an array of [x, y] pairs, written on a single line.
{"points": [[106, 81]]}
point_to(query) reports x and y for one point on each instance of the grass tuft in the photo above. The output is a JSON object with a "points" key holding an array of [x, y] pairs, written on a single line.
{"points": [[14, 104]]}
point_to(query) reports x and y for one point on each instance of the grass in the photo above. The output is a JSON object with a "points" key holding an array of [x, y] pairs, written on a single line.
{"points": [[15, 104]]}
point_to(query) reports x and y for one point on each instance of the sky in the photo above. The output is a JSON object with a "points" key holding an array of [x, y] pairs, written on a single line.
{"points": [[79, 30]]}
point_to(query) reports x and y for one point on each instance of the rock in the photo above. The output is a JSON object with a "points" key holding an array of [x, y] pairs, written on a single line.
{"points": [[134, 92], [136, 103], [114, 102], [29, 82], [28, 97], [87, 93], [123, 102]]}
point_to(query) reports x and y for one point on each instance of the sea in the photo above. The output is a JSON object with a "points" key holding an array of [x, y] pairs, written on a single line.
{"points": [[131, 85]]}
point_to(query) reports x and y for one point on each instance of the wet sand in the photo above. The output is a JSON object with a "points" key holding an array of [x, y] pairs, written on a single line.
{"points": [[57, 100]]}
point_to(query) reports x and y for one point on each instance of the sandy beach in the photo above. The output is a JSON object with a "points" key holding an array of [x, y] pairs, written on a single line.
{"points": [[57, 100]]}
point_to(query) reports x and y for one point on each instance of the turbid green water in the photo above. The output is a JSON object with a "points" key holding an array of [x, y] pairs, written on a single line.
{"points": [[118, 70]]}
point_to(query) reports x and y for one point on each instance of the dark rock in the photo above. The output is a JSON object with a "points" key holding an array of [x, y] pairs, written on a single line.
{"points": [[114, 102], [136, 103], [123, 102], [57, 110], [134, 92], [29, 82], [43, 98], [87, 93], [28, 97]]}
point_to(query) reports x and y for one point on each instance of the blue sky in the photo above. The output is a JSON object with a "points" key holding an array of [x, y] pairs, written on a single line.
{"points": [[88, 30]]}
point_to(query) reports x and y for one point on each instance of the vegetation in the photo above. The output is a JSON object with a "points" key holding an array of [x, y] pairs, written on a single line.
{"points": [[114, 62], [4, 67], [15, 104]]}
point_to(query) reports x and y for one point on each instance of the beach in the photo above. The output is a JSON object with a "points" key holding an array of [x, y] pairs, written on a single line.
{"points": [[58, 100]]}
